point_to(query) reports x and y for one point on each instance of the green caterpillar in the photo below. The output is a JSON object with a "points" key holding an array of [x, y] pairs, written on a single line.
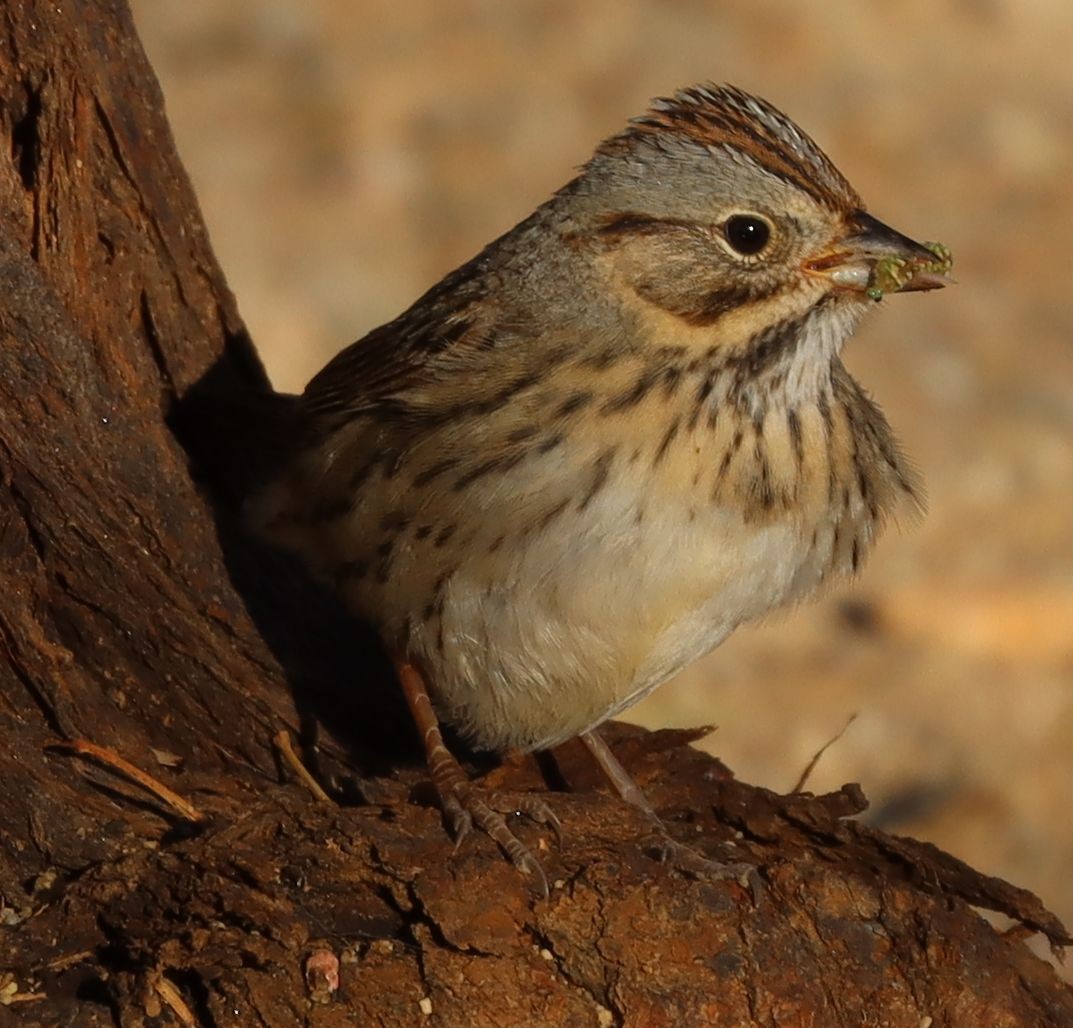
{"points": [[893, 273]]}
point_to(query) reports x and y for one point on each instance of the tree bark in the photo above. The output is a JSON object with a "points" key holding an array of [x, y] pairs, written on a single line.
{"points": [[139, 623]]}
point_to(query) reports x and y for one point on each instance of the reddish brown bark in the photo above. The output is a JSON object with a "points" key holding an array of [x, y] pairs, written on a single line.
{"points": [[135, 614]]}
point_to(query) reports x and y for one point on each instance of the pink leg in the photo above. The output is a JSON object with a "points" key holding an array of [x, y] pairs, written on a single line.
{"points": [[669, 850], [616, 774], [465, 804]]}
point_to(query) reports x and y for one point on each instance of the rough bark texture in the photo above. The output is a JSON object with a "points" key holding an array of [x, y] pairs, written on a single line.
{"points": [[134, 614]]}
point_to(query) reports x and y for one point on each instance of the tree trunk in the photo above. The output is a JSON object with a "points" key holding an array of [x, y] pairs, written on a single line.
{"points": [[138, 623]]}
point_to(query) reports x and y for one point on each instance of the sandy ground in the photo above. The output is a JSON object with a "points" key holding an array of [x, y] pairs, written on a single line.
{"points": [[347, 154]]}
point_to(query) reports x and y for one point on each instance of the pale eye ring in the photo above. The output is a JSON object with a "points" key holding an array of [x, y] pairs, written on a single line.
{"points": [[747, 234]]}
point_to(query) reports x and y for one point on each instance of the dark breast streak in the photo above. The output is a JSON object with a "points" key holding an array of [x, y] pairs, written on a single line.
{"points": [[706, 401]]}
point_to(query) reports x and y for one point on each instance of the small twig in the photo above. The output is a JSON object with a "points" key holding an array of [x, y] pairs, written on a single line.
{"points": [[811, 765], [109, 758], [286, 750], [9, 992], [64, 962], [171, 995], [23, 997]]}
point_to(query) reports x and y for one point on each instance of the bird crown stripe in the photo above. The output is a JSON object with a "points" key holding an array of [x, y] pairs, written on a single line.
{"points": [[726, 117]]}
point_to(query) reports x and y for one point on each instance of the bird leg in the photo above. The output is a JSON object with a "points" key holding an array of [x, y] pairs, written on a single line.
{"points": [[667, 849], [463, 803]]}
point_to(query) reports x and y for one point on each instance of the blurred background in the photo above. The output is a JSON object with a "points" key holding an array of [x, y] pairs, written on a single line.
{"points": [[347, 154]]}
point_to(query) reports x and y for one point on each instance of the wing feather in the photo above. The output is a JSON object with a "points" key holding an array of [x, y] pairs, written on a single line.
{"points": [[368, 375]]}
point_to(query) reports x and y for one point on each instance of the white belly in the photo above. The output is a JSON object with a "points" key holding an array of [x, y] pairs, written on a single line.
{"points": [[540, 642]]}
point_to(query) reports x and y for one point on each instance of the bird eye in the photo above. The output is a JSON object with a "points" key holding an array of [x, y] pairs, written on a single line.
{"points": [[747, 234]]}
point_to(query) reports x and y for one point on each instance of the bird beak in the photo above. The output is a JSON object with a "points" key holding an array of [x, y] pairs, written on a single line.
{"points": [[874, 259]]}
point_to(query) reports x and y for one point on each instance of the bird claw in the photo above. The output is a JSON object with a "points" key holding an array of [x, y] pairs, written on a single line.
{"points": [[459, 819], [695, 864], [466, 806], [532, 807]]}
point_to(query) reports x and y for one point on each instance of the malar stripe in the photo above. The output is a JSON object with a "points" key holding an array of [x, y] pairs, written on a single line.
{"points": [[716, 304], [768, 346], [765, 350]]}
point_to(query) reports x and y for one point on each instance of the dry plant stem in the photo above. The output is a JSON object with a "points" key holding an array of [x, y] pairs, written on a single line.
{"points": [[27, 997], [173, 998], [799, 785], [83, 748], [465, 804], [285, 748], [69, 960]]}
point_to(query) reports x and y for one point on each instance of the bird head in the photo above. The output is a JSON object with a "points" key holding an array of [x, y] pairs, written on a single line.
{"points": [[715, 205]]}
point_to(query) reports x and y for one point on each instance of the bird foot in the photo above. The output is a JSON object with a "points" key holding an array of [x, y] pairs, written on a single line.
{"points": [[467, 806], [658, 841], [691, 862]]}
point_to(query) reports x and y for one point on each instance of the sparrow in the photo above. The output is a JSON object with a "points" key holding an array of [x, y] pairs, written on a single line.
{"points": [[581, 460]]}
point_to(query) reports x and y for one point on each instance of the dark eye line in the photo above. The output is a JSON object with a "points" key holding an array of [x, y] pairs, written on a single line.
{"points": [[621, 225], [633, 223]]}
